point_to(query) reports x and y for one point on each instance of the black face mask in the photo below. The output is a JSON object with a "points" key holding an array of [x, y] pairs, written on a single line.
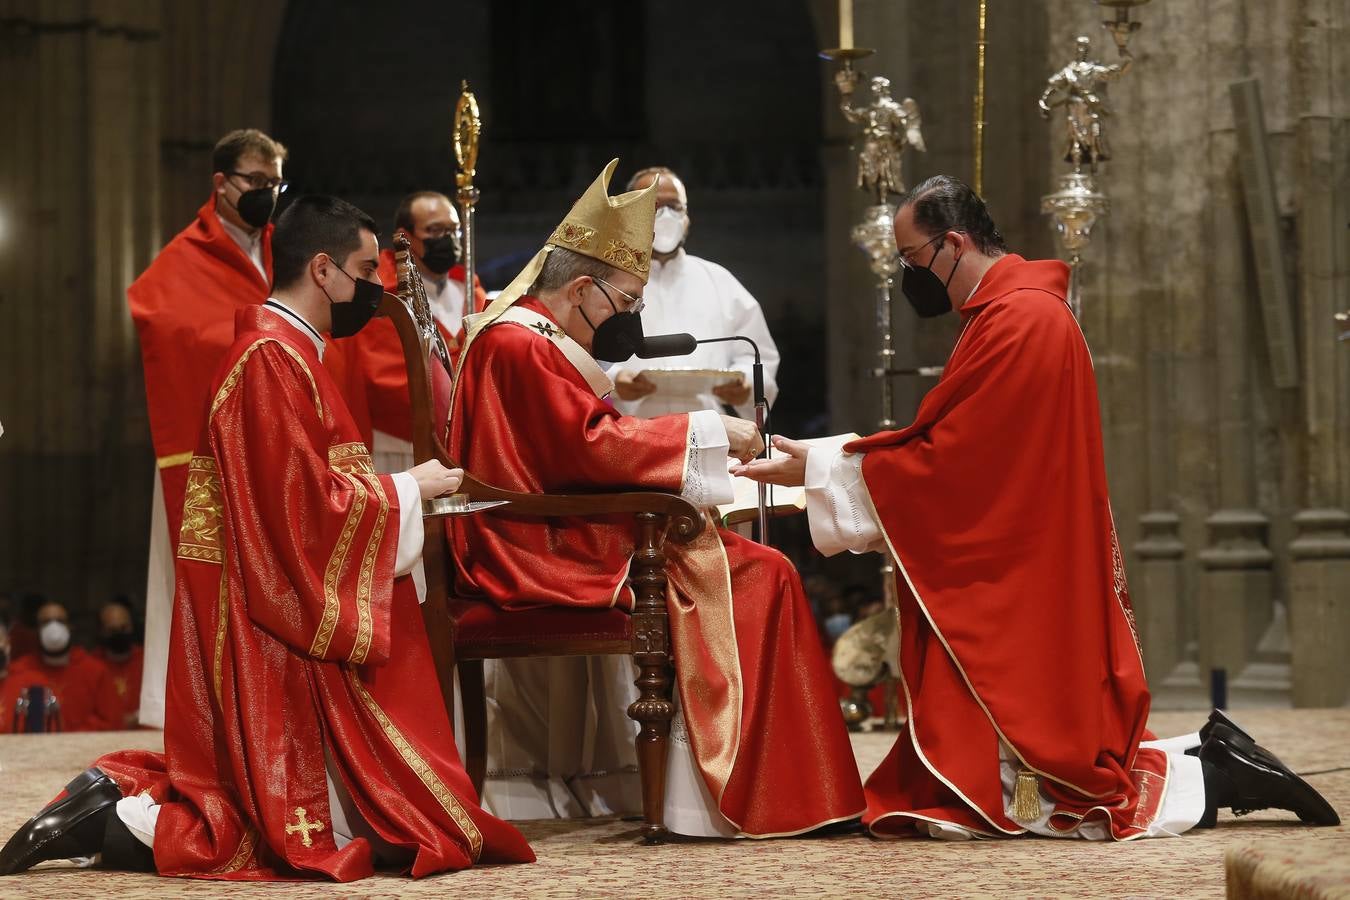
{"points": [[924, 290], [440, 254], [255, 207], [618, 337], [118, 643], [349, 318]]}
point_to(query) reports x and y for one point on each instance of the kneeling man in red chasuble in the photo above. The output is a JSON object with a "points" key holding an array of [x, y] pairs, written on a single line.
{"points": [[758, 748], [305, 735], [1018, 658]]}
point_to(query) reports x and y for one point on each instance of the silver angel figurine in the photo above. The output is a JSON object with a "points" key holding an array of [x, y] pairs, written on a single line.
{"points": [[888, 127], [1080, 87]]}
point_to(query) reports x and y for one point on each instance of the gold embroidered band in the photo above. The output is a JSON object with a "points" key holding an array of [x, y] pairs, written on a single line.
{"points": [[200, 537]]}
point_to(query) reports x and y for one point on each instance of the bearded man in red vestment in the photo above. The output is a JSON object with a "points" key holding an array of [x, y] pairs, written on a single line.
{"points": [[306, 735], [758, 748], [1018, 658]]}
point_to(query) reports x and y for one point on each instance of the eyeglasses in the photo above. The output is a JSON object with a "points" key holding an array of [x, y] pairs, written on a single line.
{"points": [[637, 304], [259, 182], [908, 263], [440, 231]]}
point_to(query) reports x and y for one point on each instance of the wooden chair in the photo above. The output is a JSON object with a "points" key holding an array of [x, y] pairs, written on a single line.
{"points": [[464, 633]]}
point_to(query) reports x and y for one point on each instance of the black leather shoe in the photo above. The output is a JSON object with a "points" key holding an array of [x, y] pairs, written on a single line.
{"points": [[1260, 781], [1219, 717], [72, 826]]}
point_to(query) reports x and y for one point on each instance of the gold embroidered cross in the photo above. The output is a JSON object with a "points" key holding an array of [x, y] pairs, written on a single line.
{"points": [[304, 827]]}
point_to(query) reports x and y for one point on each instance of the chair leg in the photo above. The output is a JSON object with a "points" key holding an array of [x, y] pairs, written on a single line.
{"points": [[473, 695], [654, 708]]}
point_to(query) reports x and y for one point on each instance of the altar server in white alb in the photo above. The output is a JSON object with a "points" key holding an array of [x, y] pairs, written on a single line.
{"points": [[686, 293]]}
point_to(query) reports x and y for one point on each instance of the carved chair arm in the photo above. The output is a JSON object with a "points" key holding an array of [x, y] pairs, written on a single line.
{"points": [[686, 521]]}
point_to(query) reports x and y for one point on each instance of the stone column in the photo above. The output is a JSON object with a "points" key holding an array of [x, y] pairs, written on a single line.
{"points": [[81, 200], [1236, 589], [1320, 571]]}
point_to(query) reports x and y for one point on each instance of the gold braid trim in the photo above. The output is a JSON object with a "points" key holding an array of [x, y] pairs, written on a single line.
{"points": [[222, 628], [331, 605], [363, 629], [232, 380], [420, 768], [173, 459], [241, 855]]}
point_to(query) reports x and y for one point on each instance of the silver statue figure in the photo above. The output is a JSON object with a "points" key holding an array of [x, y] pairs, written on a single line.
{"points": [[888, 127], [1080, 87]]}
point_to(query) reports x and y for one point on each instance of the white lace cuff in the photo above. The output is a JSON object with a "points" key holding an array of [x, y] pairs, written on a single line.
{"points": [[706, 479], [838, 508]]}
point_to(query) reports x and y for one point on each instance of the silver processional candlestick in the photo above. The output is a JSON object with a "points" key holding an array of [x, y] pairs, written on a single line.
{"points": [[888, 127], [1080, 89]]}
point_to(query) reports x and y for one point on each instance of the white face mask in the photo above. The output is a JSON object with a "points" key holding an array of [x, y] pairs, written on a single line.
{"points": [[55, 637], [671, 227]]}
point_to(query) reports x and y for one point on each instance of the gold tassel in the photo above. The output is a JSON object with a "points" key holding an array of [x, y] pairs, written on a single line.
{"points": [[1026, 797]]}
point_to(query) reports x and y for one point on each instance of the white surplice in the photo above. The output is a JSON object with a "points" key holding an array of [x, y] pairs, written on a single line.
{"points": [[690, 294]]}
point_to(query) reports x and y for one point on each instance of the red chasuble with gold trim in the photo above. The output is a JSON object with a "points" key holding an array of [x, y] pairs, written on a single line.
{"points": [[292, 637], [1015, 619], [756, 690]]}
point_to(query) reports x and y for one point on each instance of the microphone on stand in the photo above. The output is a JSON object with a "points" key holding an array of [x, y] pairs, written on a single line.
{"points": [[681, 344]]}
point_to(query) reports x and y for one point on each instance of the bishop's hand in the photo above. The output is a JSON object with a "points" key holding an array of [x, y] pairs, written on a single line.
{"points": [[435, 480], [788, 470], [743, 437]]}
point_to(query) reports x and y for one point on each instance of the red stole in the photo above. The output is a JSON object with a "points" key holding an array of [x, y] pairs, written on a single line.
{"points": [[756, 690], [1015, 617], [290, 634]]}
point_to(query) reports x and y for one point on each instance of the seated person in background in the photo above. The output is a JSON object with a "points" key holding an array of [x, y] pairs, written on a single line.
{"points": [[69, 672], [119, 695]]}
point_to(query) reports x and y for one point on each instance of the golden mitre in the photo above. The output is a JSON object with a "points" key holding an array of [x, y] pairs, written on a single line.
{"points": [[617, 230]]}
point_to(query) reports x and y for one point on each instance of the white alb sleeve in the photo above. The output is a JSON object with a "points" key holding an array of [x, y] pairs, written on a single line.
{"points": [[838, 508], [706, 479], [410, 531]]}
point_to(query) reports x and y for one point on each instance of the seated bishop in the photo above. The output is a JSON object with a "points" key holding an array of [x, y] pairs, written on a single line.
{"points": [[305, 734], [758, 747]]}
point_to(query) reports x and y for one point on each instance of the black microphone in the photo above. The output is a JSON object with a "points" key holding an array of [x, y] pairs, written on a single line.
{"points": [[679, 344], [658, 345]]}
